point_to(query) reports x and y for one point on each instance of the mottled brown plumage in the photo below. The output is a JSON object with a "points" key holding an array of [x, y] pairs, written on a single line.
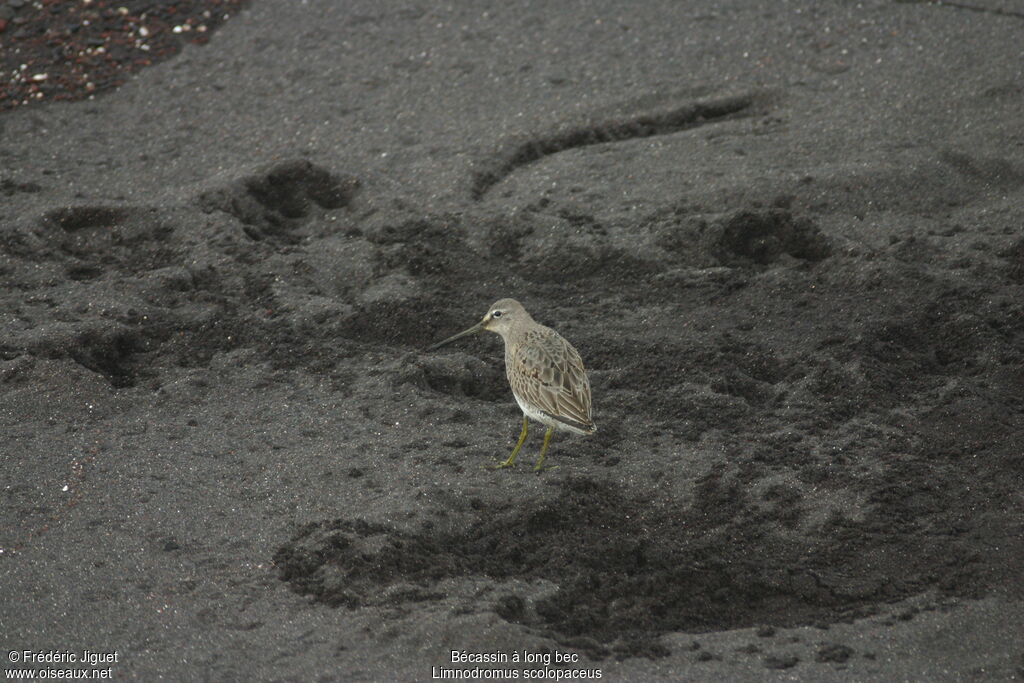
{"points": [[544, 370]]}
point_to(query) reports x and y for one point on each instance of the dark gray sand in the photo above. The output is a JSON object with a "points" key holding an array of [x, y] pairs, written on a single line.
{"points": [[785, 237]]}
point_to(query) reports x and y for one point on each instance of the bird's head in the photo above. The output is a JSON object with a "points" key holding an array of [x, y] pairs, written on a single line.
{"points": [[500, 318]]}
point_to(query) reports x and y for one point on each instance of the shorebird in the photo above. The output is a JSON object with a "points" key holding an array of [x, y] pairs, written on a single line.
{"points": [[545, 371]]}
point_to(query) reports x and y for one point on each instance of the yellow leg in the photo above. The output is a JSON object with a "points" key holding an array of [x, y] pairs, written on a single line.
{"points": [[515, 451], [544, 451]]}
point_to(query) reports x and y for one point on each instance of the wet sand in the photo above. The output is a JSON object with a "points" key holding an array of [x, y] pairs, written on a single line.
{"points": [[786, 240]]}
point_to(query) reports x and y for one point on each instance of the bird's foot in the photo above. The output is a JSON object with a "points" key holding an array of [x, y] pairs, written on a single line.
{"points": [[501, 465]]}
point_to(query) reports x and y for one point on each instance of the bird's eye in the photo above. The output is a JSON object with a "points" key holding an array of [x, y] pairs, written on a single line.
{"points": [[496, 314]]}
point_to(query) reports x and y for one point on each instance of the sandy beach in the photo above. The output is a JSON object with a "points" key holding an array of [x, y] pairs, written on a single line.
{"points": [[787, 240]]}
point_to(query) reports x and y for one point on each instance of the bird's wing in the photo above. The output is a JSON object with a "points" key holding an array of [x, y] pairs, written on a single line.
{"points": [[552, 378]]}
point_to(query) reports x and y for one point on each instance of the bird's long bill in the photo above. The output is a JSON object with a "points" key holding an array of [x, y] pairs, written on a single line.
{"points": [[473, 330]]}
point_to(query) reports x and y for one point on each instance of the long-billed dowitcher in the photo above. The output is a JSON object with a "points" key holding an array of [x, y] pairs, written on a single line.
{"points": [[545, 371]]}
